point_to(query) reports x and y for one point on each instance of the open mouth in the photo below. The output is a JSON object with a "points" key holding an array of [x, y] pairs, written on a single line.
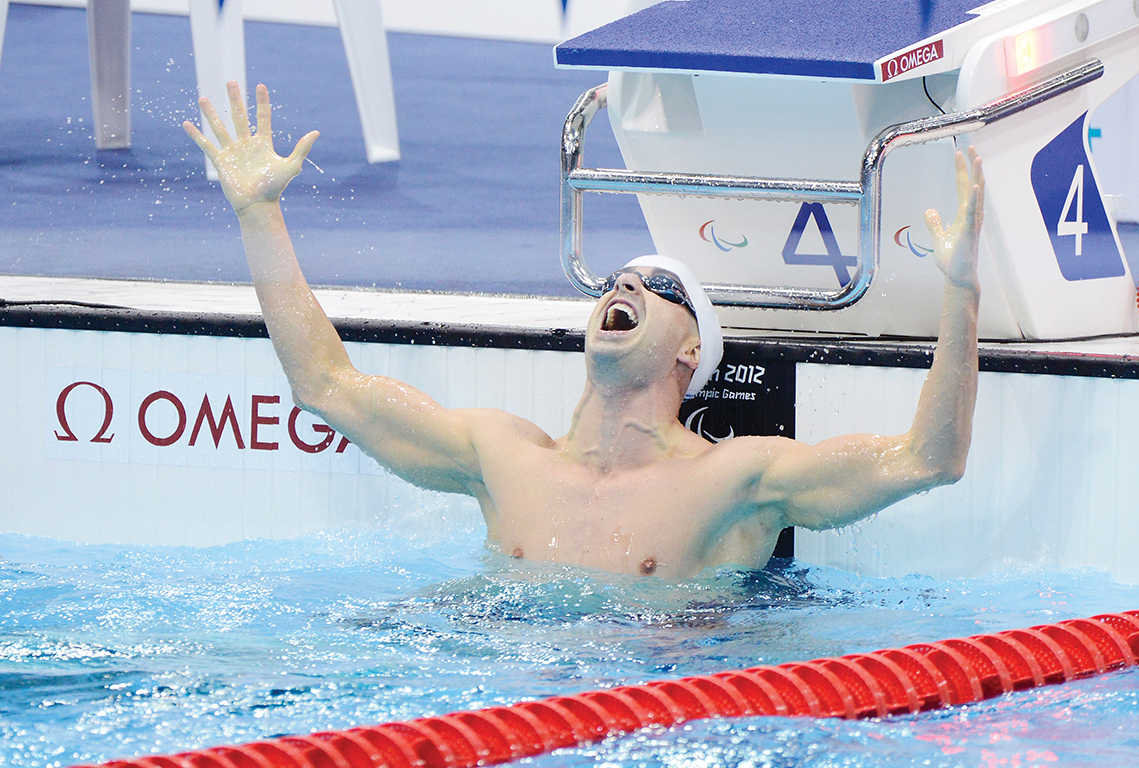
{"points": [[620, 317]]}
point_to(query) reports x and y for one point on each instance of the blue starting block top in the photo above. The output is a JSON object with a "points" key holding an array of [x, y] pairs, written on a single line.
{"points": [[811, 38]]}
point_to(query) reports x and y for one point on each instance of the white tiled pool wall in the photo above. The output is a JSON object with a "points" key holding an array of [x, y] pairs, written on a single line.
{"points": [[1050, 478], [124, 484], [1048, 481]]}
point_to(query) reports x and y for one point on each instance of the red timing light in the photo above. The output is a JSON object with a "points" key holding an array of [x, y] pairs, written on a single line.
{"points": [[1026, 51]]}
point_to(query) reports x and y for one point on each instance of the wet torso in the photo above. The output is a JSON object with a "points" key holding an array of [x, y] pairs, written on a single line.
{"points": [[669, 517]]}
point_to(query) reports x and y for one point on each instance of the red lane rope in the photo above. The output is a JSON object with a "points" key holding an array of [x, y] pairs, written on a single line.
{"points": [[888, 682]]}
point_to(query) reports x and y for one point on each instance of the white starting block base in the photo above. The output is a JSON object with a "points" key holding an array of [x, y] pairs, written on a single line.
{"points": [[690, 93]]}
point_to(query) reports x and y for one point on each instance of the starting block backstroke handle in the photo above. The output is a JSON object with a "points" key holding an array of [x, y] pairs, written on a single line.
{"points": [[865, 193]]}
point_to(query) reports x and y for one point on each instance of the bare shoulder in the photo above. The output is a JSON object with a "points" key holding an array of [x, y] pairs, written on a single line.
{"points": [[489, 425], [741, 466], [767, 472], [753, 452]]}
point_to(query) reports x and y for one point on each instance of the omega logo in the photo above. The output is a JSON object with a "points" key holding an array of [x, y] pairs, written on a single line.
{"points": [[904, 62], [155, 426], [61, 414]]}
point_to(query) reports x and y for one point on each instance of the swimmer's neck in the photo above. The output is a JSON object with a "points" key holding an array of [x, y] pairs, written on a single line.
{"points": [[625, 428]]}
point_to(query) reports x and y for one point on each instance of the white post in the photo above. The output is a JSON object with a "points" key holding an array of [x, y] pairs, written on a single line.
{"points": [[219, 54], [366, 46], [3, 22], [108, 41]]}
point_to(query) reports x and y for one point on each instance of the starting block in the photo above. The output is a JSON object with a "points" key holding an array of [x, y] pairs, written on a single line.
{"points": [[788, 153]]}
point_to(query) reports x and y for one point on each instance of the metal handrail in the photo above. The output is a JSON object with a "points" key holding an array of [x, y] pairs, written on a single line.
{"points": [[866, 193]]}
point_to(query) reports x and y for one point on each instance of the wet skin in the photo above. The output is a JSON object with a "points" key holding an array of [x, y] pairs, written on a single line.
{"points": [[627, 489]]}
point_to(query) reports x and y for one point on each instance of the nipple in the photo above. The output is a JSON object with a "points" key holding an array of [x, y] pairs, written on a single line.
{"points": [[517, 553], [648, 566]]}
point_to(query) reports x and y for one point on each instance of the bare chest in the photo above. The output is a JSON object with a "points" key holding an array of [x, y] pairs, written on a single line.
{"points": [[652, 520]]}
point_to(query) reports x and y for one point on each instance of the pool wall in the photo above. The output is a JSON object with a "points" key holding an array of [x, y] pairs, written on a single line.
{"points": [[186, 438], [1050, 478], [104, 404]]}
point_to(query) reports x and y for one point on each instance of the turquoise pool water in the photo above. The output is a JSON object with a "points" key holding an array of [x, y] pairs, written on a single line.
{"points": [[114, 651]]}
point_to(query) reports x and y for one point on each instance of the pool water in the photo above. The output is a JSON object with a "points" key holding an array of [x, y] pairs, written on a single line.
{"points": [[119, 651]]}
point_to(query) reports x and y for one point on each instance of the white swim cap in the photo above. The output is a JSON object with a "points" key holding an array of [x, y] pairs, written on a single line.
{"points": [[707, 324]]}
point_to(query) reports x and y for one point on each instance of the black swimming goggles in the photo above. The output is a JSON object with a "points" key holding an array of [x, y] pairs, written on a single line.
{"points": [[662, 282]]}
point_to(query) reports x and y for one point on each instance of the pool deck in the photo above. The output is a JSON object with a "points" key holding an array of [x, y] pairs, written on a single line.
{"points": [[534, 322]]}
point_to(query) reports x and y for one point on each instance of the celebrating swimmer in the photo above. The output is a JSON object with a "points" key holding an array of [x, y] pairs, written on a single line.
{"points": [[627, 489]]}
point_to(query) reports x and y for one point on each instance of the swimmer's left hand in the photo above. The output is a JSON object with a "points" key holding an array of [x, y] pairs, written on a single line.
{"points": [[248, 167], [955, 248]]}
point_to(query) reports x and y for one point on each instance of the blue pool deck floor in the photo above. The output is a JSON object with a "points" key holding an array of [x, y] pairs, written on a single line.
{"points": [[472, 206]]}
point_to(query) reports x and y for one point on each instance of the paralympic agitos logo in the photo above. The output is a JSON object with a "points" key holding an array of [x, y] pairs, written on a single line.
{"points": [[85, 411], [920, 251], [708, 235]]}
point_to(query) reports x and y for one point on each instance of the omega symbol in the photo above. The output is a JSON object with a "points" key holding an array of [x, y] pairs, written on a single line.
{"points": [[61, 413]]}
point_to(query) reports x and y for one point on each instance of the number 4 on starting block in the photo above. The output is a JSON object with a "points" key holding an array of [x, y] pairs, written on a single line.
{"points": [[833, 257], [1070, 202]]}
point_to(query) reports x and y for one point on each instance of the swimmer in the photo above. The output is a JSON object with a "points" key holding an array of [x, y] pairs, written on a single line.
{"points": [[627, 489]]}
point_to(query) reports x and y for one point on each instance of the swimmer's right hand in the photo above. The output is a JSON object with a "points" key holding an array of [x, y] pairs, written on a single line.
{"points": [[249, 169]]}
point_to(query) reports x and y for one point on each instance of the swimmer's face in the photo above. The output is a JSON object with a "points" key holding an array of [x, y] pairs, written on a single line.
{"points": [[660, 282], [641, 322]]}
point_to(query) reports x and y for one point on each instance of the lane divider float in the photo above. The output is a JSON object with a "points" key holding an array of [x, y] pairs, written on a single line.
{"points": [[895, 681]]}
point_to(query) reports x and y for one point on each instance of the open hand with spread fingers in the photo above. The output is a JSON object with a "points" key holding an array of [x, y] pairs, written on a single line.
{"points": [[249, 169], [955, 247]]}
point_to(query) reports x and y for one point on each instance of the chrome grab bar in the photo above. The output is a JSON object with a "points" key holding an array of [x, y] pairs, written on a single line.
{"points": [[866, 193]]}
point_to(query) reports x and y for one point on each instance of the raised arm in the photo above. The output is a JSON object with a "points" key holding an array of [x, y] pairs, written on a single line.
{"points": [[401, 427], [843, 479]]}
